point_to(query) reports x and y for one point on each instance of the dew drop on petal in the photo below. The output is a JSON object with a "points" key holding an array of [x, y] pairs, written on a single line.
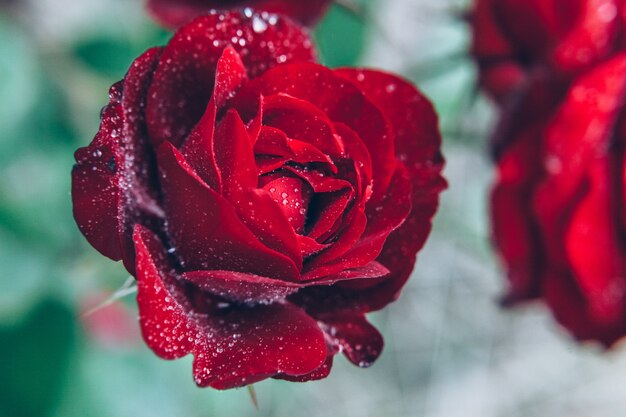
{"points": [[258, 24]]}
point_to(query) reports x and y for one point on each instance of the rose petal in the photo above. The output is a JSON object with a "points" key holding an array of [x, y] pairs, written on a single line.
{"points": [[414, 123], [274, 142], [204, 228], [199, 149], [360, 342], [301, 120], [383, 219], [319, 265], [594, 246], [417, 146], [230, 73], [570, 309], [592, 38], [113, 176], [367, 272], [240, 287], [234, 156], [270, 223], [320, 373], [327, 212], [515, 230], [292, 196], [342, 102], [488, 40], [231, 346], [184, 79], [309, 246], [253, 289], [319, 182], [574, 138], [362, 163], [96, 188], [535, 26]]}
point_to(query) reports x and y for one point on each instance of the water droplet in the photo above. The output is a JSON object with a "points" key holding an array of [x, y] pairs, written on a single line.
{"points": [[258, 24]]}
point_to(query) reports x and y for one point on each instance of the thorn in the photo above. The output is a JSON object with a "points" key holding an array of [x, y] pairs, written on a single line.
{"points": [[253, 396], [127, 288]]}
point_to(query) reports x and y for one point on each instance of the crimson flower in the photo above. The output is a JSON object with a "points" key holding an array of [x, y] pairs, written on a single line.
{"points": [[558, 208], [263, 202], [556, 71], [174, 13]]}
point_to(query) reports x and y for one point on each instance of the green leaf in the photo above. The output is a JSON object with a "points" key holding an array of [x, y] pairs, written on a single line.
{"points": [[340, 37], [36, 356], [105, 55]]}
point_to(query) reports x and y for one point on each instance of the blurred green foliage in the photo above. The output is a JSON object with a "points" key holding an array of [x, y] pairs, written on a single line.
{"points": [[36, 355], [340, 37]]}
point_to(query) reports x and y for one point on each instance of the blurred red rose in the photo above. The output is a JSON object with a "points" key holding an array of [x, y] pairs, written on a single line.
{"points": [[556, 70], [264, 203], [514, 38], [558, 208], [175, 13]]}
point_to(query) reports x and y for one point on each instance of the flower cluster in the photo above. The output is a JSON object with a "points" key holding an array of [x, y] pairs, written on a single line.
{"points": [[556, 70], [264, 202]]}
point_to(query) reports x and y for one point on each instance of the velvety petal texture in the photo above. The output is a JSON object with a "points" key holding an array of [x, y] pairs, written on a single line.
{"points": [[174, 13], [557, 71], [513, 38], [264, 202]]}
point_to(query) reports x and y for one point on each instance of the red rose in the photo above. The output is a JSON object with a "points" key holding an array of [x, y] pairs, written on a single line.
{"points": [[556, 70], [264, 203], [174, 13], [559, 206], [513, 38]]}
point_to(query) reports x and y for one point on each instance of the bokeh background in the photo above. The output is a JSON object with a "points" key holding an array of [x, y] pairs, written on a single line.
{"points": [[450, 350]]}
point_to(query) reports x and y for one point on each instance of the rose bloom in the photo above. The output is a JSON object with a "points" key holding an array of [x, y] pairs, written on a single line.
{"points": [[174, 13], [556, 73], [264, 203], [560, 224]]}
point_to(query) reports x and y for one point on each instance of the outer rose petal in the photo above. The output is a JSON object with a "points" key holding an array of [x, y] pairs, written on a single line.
{"points": [[254, 289], [113, 176], [231, 346], [174, 13], [575, 137], [240, 287], [417, 146], [595, 249], [592, 39], [534, 27], [183, 81], [320, 373], [515, 230], [359, 340], [571, 310]]}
